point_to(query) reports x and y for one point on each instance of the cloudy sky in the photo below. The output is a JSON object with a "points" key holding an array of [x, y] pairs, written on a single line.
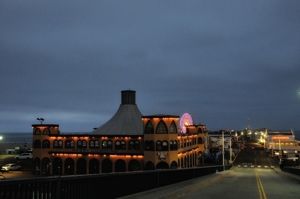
{"points": [[227, 63]]}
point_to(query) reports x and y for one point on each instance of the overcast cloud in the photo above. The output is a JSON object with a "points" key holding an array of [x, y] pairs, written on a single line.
{"points": [[221, 61]]}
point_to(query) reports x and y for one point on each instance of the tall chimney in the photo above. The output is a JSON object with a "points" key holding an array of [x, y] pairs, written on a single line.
{"points": [[128, 97]]}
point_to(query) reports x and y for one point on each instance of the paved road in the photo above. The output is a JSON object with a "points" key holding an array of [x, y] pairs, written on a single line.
{"points": [[236, 183], [254, 175]]}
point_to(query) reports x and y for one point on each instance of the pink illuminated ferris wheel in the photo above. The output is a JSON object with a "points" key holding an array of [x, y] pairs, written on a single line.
{"points": [[185, 120]]}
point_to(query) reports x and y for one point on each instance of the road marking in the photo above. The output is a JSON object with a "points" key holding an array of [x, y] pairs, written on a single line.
{"points": [[261, 191]]}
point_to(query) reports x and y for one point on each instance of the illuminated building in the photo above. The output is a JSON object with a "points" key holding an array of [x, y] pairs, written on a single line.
{"points": [[126, 142], [281, 144]]}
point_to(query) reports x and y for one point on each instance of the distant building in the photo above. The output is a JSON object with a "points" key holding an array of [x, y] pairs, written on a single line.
{"points": [[126, 142], [281, 144]]}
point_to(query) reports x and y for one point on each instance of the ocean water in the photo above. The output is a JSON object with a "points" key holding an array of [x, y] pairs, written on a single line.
{"points": [[27, 137], [16, 137]]}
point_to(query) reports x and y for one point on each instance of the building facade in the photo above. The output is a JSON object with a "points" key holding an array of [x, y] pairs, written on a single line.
{"points": [[127, 142]]}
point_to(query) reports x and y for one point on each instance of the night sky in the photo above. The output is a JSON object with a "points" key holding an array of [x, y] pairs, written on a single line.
{"points": [[229, 64]]}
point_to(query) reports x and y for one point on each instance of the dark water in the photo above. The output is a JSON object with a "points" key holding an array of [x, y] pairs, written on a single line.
{"points": [[27, 137], [16, 137]]}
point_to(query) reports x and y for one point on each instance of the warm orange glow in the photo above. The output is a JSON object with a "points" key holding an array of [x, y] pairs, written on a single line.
{"points": [[280, 138], [66, 154], [126, 156]]}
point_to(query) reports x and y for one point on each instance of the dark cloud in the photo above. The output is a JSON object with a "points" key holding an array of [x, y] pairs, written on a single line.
{"points": [[223, 62]]}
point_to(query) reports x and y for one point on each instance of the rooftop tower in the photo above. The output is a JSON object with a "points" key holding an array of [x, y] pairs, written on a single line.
{"points": [[126, 121]]}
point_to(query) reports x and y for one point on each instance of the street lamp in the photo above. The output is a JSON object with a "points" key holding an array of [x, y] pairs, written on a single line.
{"points": [[223, 149], [40, 119]]}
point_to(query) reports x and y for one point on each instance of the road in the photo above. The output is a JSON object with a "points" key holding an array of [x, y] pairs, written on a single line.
{"points": [[254, 175]]}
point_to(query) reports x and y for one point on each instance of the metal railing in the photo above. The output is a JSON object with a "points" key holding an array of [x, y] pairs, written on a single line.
{"points": [[99, 185]]}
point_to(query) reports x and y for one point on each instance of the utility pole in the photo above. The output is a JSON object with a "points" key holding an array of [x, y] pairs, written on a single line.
{"points": [[223, 151], [230, 149]]}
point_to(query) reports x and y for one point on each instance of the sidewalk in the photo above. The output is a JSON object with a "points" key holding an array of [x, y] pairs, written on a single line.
{"points": [[179, 189]]}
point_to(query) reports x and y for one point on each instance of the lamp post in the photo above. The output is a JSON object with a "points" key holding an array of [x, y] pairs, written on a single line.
{"points": [[230, 149], [223, 150]]}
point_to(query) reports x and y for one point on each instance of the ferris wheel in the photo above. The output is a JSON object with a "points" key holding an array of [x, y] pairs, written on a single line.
{"points": [[185, 120]]}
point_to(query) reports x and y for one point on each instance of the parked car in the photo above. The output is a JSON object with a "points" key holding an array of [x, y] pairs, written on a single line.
{"points": [[11, 167], [23, 156]]}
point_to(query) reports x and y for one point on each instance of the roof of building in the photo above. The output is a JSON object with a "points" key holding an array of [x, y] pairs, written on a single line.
{"points": [[126, 121], [161, 116]]}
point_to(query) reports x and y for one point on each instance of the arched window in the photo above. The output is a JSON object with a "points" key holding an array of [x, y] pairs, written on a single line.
{"points": [[104, 144], [60, 143], [46, 144], [123, 145], [37, 131], [92, 144], [165, 146], [171, 145], [147, 145], [151, 143], [97, 144], [57, 144], [109, 144], [117, 144], [161, 128], [200, 140], [173, 127], [46, 131], [37, 144], [136, 145], [149, 128], [158, 145], [81, 144], [175, 145], [84, 144], [131, 145], [200, 130], [69, 144]]}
